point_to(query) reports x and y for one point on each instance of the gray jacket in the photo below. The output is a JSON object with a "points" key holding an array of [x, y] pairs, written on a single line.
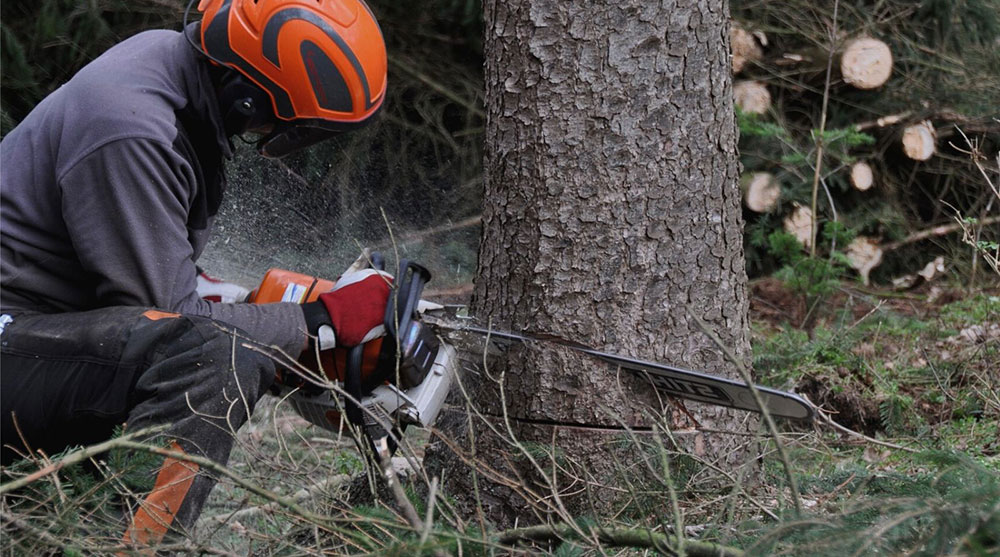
{"points": [[109, 186]]}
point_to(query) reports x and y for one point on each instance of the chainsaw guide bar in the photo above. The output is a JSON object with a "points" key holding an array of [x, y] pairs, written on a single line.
{"points": [[669, 380]]}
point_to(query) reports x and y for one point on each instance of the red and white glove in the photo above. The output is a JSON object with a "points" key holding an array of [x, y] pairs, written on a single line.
{"points": [[352, 313], [216, 290]]}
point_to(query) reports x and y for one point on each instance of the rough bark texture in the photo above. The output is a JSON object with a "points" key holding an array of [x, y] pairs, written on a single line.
{"points": [[612, 209]]}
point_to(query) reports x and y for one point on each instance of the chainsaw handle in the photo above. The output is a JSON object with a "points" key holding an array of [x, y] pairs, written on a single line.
{"points": [[352, 384], [405, 297], [402, 305]]}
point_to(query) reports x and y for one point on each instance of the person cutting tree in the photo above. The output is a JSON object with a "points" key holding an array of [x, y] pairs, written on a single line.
{"points": [[109, 189]]}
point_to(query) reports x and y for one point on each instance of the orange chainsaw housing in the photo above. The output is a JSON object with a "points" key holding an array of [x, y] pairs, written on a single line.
{"points": [[279, 285]]}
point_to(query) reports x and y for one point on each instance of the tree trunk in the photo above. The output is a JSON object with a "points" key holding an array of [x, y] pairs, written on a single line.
{"points": [[612, 210]]}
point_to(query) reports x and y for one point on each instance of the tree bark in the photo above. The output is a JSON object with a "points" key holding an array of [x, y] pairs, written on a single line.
{"points": [[612, 209]]}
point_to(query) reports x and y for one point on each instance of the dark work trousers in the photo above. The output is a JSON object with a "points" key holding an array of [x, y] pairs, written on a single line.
{"points": [[70, 379]]}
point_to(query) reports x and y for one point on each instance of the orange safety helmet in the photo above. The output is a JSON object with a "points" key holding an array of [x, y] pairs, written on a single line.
{"points": [[321, 62]]}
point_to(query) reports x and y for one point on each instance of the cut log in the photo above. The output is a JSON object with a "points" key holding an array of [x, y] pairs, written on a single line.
{"points": [[752, 96], [799, 224], [919, 141], [931, 271], [862, 176], [761, 191], [866, 63], [745, 46], [864, 254]]}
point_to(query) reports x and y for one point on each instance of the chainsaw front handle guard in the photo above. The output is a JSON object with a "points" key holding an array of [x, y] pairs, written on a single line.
{"points": [[404, 297]]}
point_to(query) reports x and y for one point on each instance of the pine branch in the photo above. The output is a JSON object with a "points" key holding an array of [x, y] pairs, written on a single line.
{"points": [[78, 456], [619, 537]]}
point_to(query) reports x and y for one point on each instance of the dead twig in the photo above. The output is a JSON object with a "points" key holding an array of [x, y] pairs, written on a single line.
{"points": [[934, 232], [793, 485], [619, 537]]}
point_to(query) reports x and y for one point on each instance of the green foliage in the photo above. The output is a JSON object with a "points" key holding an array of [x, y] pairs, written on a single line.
{"points": [[81, 503], [753, 125], [811, 277], [948, 508], [846, 137], [46, 42], [978, 308], [895, 410], [568, 549]]}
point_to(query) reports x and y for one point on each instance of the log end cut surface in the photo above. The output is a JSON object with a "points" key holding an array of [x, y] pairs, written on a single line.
{"points": [[862, 176], [919, 141], [752, 97], [866, 63], [762, 191]]}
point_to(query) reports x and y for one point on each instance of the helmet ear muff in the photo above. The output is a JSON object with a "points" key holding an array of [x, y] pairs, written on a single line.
{"points": [[245, 107]]}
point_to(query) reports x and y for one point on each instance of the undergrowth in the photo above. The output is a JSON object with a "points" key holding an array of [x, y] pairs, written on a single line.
{"points": [[925, 480]]}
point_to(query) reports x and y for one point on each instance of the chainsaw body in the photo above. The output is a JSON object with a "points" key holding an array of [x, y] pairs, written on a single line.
{"points": [[414, 369]]}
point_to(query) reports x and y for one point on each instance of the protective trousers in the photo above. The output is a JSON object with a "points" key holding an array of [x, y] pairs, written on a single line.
{"points": [[71, 379]]}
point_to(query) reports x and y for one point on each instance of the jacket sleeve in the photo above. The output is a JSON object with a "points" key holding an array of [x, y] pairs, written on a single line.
{"points": [[126, 206]]}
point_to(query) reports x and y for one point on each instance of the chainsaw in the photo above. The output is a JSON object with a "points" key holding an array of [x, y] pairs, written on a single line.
{"points": [[417, 361], [412, 371]]}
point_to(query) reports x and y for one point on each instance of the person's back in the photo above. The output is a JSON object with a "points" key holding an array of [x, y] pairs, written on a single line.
{"points": [[72, 161]]}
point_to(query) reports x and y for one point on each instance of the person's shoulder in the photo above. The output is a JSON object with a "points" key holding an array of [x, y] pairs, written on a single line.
{"points": [[132, 90]]}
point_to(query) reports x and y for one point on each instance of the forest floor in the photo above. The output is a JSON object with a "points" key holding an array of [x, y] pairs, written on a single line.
{"points": [[914, 375]]}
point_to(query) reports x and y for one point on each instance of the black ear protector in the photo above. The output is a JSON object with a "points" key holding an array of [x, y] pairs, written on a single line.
{"points": [[244, 106]]}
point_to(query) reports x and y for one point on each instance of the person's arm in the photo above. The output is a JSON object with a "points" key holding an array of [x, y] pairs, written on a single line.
{"points": [[126, 208]]}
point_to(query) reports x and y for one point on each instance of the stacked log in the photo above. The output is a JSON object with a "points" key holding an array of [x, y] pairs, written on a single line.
{"points": [[866, 63], [761, 191], [799, 224], [883, 148], [862, 176], [752, 96], [864, 254], [919, 141], [745, 46]]}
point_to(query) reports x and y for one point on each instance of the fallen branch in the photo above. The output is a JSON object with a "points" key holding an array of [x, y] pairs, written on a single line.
{"points": [[619, 537], [942, 230], [884, 121]]}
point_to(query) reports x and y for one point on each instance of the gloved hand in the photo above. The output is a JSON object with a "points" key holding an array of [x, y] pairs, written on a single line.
{"points": [[352, 313]]}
